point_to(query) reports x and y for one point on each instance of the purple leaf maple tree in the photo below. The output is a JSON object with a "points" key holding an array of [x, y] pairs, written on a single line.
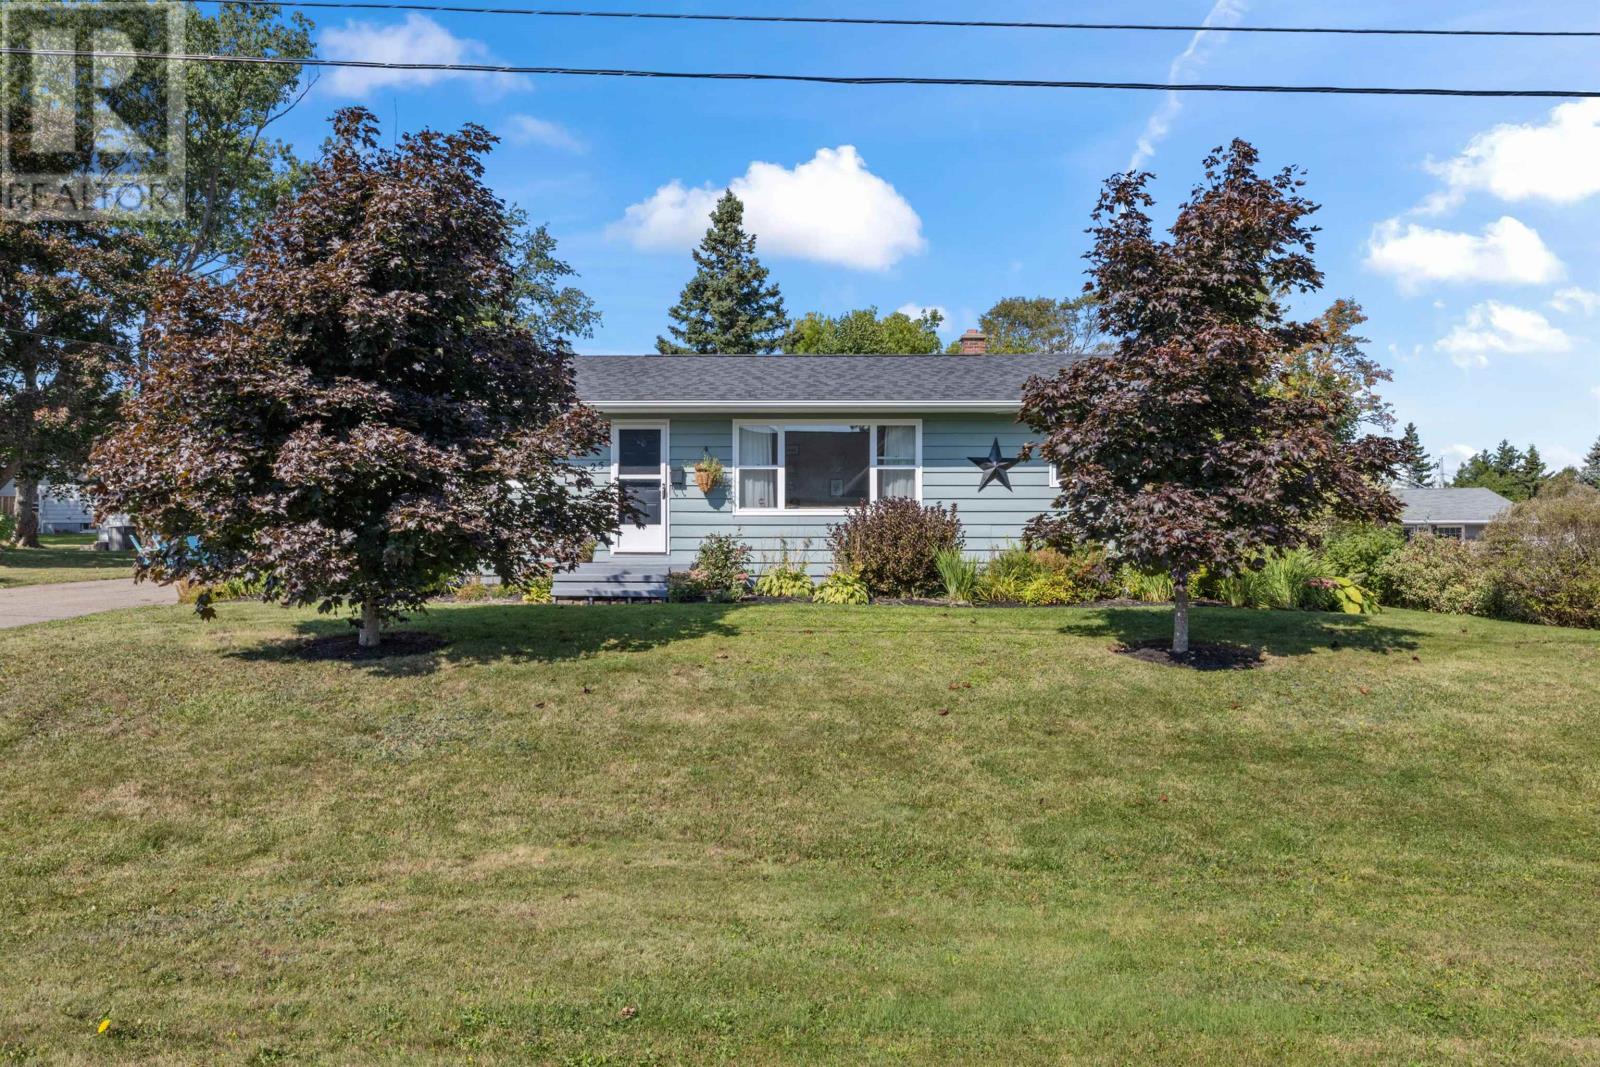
{"points": [[1188, 447], [357, 417]]}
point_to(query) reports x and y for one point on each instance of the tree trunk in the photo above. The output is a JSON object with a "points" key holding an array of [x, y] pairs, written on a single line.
{"points": [[1180, 612], [371, 625], [27, 535]]}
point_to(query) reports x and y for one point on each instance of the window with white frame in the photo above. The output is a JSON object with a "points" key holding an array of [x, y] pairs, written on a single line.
{"points": [[801, 465]]}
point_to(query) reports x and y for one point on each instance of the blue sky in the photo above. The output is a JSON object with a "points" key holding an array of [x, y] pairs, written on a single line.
{"points": [[1466, 228]]}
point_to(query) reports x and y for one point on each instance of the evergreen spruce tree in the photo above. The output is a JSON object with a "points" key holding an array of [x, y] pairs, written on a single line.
{"points": [[1590, 475], [1417, 469], [727, 307], [1531, 473]]}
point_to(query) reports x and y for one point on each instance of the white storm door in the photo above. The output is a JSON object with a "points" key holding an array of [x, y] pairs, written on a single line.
{"points": [[639, 465]]}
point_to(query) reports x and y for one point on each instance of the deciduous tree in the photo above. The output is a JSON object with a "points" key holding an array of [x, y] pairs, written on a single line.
{"points": [[1022, 324], [1177, 451], [728, 307], [862, 332], [553, 312], [68, 293], [360, 415]]}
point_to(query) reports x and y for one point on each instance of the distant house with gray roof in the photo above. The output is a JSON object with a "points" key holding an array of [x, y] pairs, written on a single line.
{"points": [[1458, 513]]}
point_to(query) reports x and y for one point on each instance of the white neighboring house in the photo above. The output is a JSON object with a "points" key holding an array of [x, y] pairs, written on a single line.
{"points": [[1458, 513], [60, 508]]}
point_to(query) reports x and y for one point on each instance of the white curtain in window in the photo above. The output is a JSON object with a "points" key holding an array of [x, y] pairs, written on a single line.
{"points": [[758, 446], [897, 446], [895, 483], [758, 489]]}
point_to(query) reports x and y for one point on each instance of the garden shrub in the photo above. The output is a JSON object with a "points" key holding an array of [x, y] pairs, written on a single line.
{"points": [[1055, 587], [784, 580], [787, 577], [1341, 594], [1006, 575], [1434, 574], [959, 574], [1354, 550], [721, 571], [539, 591], [1148, 587], [892, 545], [471, 591], [1543, 560], [1283, 580], [8, 528], [842, 587]]}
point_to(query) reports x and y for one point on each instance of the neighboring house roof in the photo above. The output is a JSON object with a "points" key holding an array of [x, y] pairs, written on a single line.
{"points": [[818, 383], [1449, 506]]}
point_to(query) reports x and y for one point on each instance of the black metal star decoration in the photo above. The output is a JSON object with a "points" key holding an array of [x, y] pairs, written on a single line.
{"points": [[994, 467]]}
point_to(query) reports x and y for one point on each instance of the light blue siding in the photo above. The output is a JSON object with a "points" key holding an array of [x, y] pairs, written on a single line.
{"points": [[991, 519]]}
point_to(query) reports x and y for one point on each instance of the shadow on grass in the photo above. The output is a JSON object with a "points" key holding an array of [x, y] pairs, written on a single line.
{"points": [[1277, 633], [487, 633]]}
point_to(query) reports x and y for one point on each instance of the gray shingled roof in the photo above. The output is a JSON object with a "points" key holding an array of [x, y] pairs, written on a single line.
{"points": [[1449, 506], [852, 380]]}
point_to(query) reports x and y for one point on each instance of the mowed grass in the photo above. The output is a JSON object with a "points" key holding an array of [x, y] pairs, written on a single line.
{"points": [[703, 834], [61, 558]]}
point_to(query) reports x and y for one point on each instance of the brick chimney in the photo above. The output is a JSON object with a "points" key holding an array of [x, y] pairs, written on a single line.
{"points": [[974, 343]]}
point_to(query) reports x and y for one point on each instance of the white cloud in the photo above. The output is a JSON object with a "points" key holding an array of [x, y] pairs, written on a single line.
{"points": [[418, 39], [914, 311], [1461, 452], [1595, 392], [1575, 299], [526, 130], [1223, 13], [1557, 161], [1493, 328], [1506, 252], [831, 209]]}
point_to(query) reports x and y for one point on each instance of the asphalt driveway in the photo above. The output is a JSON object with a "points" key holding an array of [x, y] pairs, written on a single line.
{"points": [[42, 603]]}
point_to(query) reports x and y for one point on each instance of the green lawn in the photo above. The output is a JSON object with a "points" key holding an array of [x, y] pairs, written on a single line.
{"points": [[63, 558], [701, 834]]}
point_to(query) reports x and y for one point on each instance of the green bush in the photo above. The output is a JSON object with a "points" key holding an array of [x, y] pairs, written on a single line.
{"points": [[1341, 594], [959, 574], [1284, 580], [538, 591], [842, 587], [1006, 575], [787, 577], [1148, 587], [1434, 574], [1543, 560], [721, 571], [784, 580], [1054, 588], [1355, 550], [892, 545], [8, 528]]}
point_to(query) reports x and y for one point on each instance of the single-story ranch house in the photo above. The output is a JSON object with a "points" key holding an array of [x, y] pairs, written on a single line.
{"points": [[1458, 513], [802, 438], [61, 510]]}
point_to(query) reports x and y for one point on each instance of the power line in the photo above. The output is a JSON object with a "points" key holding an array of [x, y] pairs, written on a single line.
{"points": [[824, 20], [821, 79]]}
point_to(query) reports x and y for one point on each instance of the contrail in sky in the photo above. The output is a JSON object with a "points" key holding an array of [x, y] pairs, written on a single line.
{"points": [[1223, 13]]}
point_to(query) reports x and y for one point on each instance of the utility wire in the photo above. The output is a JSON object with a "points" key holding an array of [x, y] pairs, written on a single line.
{"points": [[824, 20], [821, 79]]}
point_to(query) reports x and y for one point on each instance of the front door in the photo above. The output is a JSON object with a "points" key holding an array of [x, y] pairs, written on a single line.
{"points": [[639, 464]]}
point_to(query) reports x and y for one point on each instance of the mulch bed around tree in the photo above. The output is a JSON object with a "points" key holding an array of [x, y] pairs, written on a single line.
{"points": [[1202, 656], [344, 646]]}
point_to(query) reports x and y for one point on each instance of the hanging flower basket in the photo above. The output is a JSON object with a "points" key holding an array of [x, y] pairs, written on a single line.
{"points": [[708, 473]]}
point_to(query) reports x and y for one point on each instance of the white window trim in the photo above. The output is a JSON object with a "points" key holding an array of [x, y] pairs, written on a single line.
{"points": [[782, 424]]}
